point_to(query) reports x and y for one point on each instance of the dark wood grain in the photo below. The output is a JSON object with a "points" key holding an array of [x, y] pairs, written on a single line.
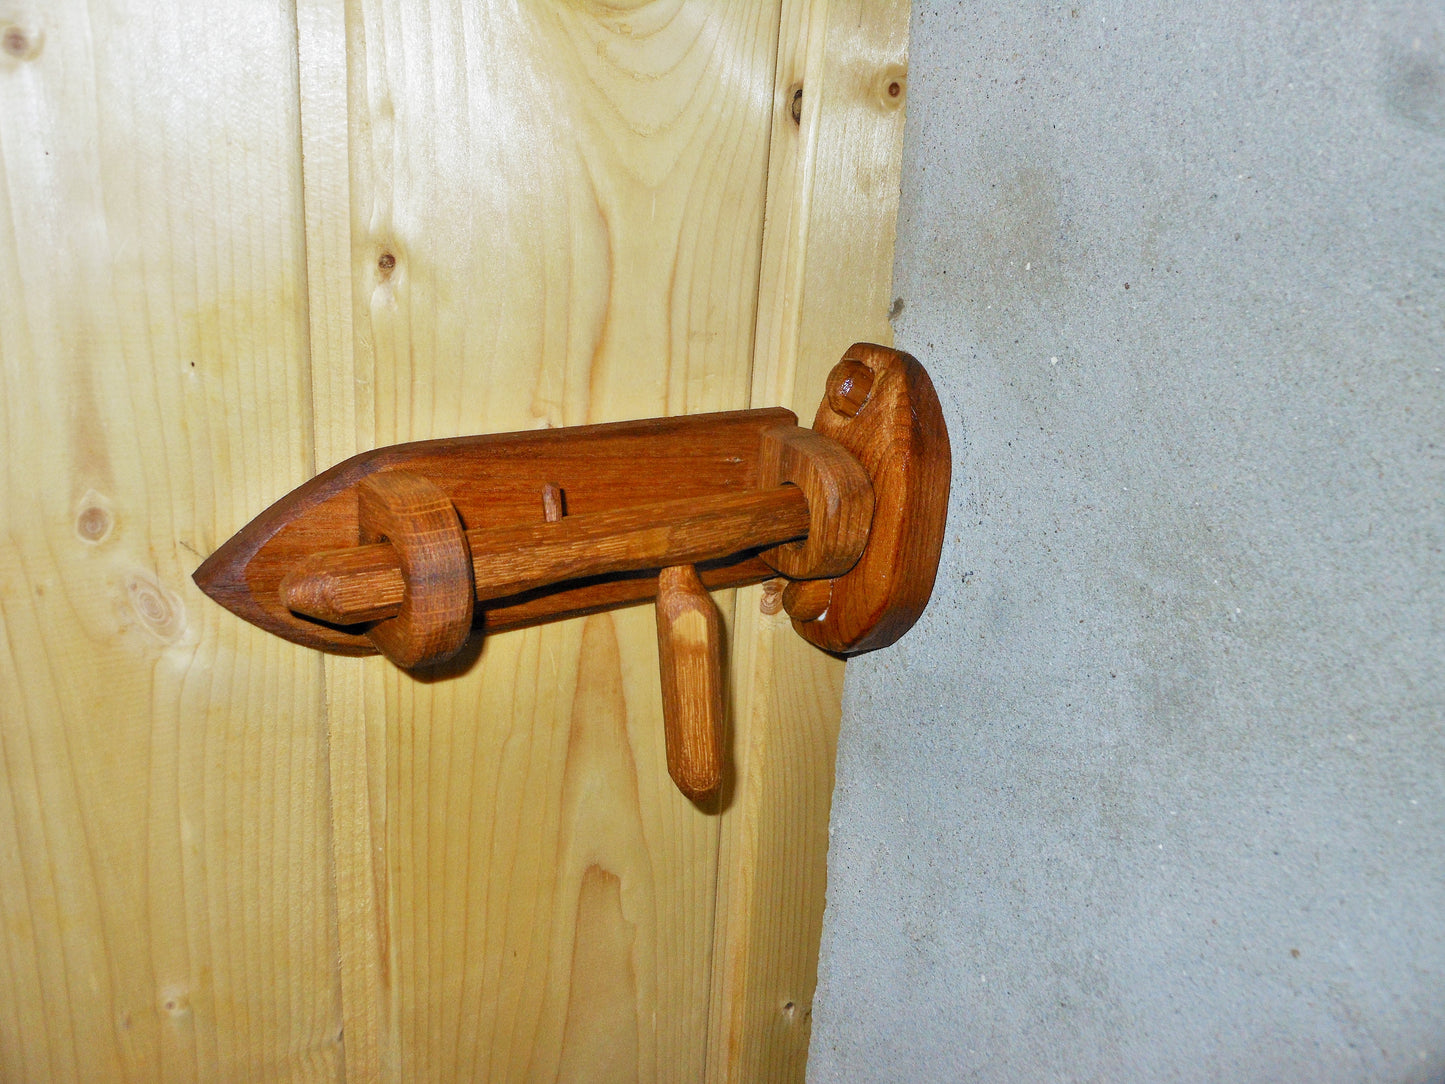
{"points": [[897, 433]]}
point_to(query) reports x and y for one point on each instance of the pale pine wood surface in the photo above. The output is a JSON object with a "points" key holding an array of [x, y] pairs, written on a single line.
{"points": [[826, 277], [557, 218], [165, 901], [507, 219], [342, 427]]}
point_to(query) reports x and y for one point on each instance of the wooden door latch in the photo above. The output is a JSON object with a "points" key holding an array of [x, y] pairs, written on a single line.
{"points": [[407, 550]]}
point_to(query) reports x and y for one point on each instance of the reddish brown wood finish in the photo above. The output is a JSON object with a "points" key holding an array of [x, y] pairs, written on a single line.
{"points": [[689, 649], [561, 523], [840, 502], [500, 480], [849, 385], [898, 434], [807, 599], [413, 520], [366, 583]]}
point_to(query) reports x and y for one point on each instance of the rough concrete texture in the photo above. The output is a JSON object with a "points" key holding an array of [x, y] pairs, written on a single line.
{"points": [[1156, 789]]}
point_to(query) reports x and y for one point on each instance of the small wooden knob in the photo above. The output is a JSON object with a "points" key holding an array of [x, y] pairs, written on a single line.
{"points": [[849, 385], [689, 647], [418, 519], [807, 600]]}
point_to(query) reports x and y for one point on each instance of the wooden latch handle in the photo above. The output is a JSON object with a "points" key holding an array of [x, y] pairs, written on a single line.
{"points": [[417, 573], [689, 651], [406, 550]]}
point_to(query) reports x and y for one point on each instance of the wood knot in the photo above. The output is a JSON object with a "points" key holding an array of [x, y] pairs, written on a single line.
{"points": [[892, 87], [20, 43], [94, 521], [159, 611], [772, 600]]}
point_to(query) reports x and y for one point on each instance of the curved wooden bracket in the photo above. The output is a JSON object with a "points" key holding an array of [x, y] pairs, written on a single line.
{"points": [[413, 517], [406, 550], [882, 408]]}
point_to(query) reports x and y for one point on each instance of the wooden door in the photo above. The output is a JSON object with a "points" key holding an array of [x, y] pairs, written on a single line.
{"points": [[240, 241]]}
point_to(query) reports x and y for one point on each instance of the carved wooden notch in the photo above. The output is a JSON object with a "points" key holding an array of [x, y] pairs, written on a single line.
{"points": [[406, 551]]}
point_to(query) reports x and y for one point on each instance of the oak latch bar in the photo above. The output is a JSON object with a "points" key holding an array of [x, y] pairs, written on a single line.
{"points": [[407, 551]]}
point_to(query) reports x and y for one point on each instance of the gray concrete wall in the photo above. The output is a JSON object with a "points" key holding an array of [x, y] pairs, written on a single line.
{"points": [[1156, 789]]}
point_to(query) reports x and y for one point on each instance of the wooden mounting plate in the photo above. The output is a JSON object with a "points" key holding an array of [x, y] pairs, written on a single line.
{"points": [[899, 436], [499, 479]]}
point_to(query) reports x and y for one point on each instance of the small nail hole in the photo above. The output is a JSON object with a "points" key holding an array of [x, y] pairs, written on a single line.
{"points": [[892, 87]]}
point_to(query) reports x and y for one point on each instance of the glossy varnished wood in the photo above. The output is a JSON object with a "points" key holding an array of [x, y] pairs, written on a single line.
{"points": [[412, 518], [499, 480], [858, 501], [367, 583], [416, 572], [893, 424], [839, 496]]}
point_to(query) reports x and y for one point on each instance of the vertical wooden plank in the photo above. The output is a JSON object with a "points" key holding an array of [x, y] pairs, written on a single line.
{"points": [[557, 219], [165, 908], [338, 401], [827, 272], [335, 391]]}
